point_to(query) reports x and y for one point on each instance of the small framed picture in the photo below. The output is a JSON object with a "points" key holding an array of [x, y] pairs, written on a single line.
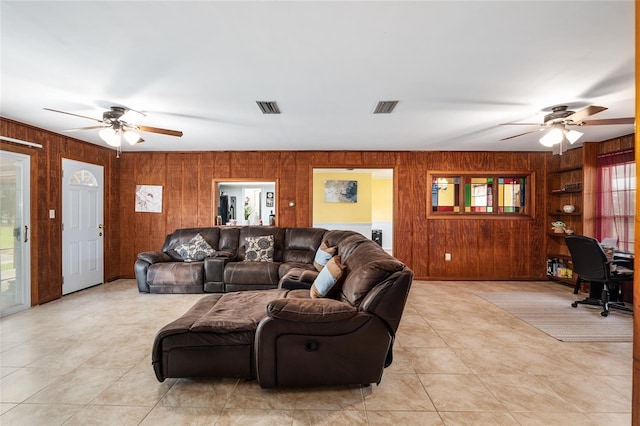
{"points": [[269, 202], [149, 198]]}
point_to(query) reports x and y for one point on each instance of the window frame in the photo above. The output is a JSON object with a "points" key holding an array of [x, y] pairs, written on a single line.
{"points": [[529, 206], [626, 220]]}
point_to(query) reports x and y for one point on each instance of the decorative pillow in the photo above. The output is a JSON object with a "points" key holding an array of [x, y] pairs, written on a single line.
{"points": [[196, 249], [259, 249], [323, 254], [327, 278]]}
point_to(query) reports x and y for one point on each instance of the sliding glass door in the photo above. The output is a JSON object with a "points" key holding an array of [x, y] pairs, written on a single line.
{"points": [[15, 281]]}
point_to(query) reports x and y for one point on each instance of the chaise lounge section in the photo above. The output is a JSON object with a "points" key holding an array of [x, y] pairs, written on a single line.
{"points": [[287, 338]]}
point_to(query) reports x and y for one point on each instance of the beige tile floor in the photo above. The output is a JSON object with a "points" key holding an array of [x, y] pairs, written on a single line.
{"points": [[459, 360]]}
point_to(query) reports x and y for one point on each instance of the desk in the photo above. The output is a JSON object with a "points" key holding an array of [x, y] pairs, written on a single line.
{"points": [[622, 268], [623, 259], [621, 275]]}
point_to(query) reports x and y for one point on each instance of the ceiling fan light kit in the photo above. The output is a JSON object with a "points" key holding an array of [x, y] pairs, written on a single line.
{"points": [[118, 123], [556, 122], [559, 134]]}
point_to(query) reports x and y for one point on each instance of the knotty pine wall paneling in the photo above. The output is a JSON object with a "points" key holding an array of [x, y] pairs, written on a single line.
{"points": [[46, 180]]}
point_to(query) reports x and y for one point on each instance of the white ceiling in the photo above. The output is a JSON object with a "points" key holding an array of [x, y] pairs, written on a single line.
{"points": [[458, 69]]}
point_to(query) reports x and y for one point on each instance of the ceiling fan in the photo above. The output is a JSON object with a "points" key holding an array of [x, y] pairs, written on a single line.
{"points": [[560, 117], [118, 123]]}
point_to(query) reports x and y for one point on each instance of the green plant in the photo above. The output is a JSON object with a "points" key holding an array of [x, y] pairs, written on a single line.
{"points": [[247, 211]]}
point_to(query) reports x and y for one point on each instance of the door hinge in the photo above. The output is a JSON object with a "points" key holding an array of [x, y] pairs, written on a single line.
{"points": [[63, 226]]}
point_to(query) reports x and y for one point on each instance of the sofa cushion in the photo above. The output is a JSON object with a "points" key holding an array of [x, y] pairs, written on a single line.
{"points": [[323, 254], [195, 249], [238, 311], [259, 249], [310, 310], [346, 241], [180, 236], [258, 231], [300, 244], [367, 266], [176, 273], [298, 268], [245, 273], [327, 278]]}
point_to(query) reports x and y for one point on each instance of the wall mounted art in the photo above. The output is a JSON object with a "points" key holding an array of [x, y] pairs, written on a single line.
{"points": [[341, 191], [149, 198]]}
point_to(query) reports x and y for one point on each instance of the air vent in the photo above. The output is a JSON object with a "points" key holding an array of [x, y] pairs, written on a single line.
{"points": [[268, 107], [385, 107]]}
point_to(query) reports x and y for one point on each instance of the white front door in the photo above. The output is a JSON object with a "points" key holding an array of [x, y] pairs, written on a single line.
{"points": [[82, 225], [15, 233]]}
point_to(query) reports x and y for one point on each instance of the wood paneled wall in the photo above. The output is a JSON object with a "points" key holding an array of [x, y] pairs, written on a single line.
{"points": [[481, 248], [46, 181]]}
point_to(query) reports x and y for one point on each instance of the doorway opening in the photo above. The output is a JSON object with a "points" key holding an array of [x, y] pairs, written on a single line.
{"points": [[82, 225], [356, 199], [245, 202], [15, 236]]}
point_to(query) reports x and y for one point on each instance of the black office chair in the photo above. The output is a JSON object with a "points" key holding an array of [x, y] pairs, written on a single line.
{"points": [[591, 264]]}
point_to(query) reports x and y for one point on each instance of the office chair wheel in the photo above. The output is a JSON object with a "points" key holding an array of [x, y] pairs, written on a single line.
{"points": [[604, 313], [574, 304]]}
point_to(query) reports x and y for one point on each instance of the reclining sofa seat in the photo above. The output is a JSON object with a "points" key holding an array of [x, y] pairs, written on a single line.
{"points": [[293, 248], [331, 347], [165, 271], [285, 338]]}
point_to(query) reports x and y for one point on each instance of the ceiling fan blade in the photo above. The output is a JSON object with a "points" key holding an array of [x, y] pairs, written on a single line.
{"points": [[77, 115], [159, 130], [522, 134], [604, 121], [521, 124], [85, 128], [578, 116]]}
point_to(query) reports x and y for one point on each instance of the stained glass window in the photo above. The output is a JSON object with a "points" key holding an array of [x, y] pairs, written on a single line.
{"points": [[478, 194], [482, 193], [445, 194], [511, 194]]}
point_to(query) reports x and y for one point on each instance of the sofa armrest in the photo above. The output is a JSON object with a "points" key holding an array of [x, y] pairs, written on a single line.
{"points": [[297, 279], [214, 268], [154, 257], [141, 267], [310, 310]]}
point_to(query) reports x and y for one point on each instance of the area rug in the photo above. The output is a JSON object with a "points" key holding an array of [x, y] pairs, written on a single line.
{"points": [[552, 313]]}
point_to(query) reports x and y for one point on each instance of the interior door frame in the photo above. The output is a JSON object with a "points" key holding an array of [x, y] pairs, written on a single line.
{"points": [[33, 153], [215, 185], [29, 286], [61, 214], [357, 167]]}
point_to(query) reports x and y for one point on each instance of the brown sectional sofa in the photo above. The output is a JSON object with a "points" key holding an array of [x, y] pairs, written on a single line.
{"points": [[283, 337], [165, 271]]}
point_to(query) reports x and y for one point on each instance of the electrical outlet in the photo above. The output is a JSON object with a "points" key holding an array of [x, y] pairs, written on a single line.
{"points": [[52, 214], [447, 257]]}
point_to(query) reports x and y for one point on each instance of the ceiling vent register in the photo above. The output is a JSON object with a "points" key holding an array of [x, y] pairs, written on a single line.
{"points": [[385, 107], [268, 107]]}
